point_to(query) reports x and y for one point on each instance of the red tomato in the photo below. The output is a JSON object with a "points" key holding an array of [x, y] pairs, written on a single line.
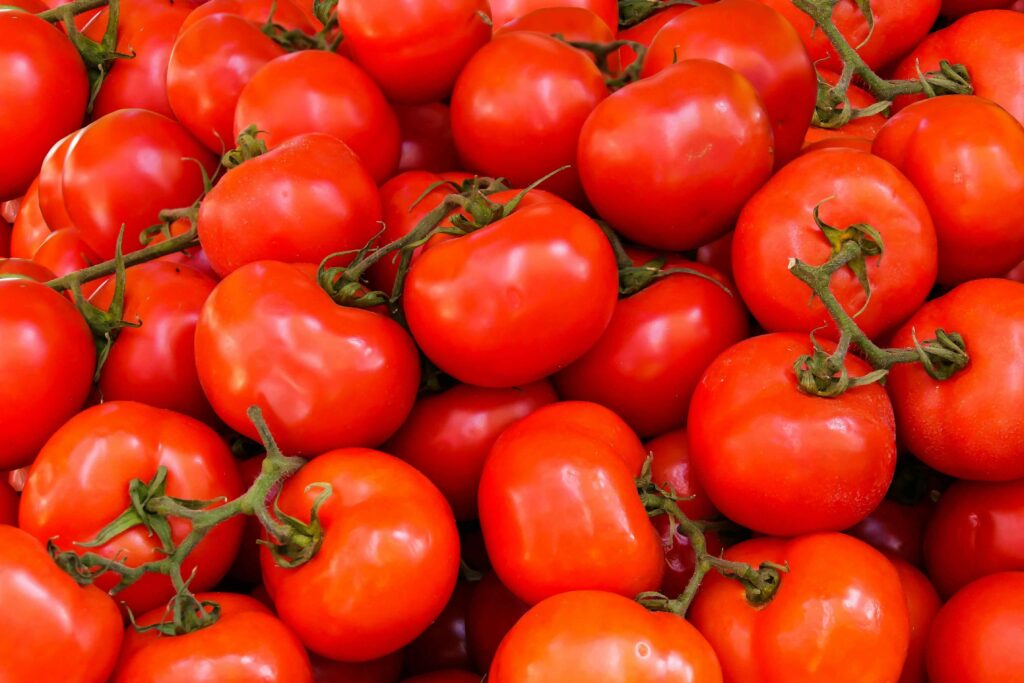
{"points": [[8, 502], [428, 143], [210, 63], [602, 638], [47, 359], [66, 633], [759, 43], [840, 600], [504, 11], [718, 255], [969, 180], [388, 563], [645, 31], [449, 676], [657, 345], [559, 509], [326, 376], [849, 187], [64, 252], [443, 644], [193, 258], [961, 426], [958, 8], [483, 308], [384, 670], [976, 636], [30, 229], [859, 144], [50, 186], [20, 266], [79, 483], [896, 529], [922, 605], [123, 169], [493, 611], [838, 455], [577, 24], [285, 13], [321, 92], [518, 108], [48, 89], [447, 436], [712, 151], [414, 49]]}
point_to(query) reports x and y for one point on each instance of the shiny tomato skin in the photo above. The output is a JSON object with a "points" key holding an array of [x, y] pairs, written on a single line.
{"points": [[47, 358], [672, 470], [493, 611], [428, 143], [29, 228], [414, 49], [518, 108], [504, 11], [123, 169], [968, 180], [759, 43], [96, 454], [387, 669], [286, 13], [313, 91], [714, 149], [896, 529], [298, 203], [960, 426], [443, 644], [559, 508], [976, 636], [246, 643], [602, 638], [646, 30], [659, 342], [483, 308], [447, 436], [839, 600], [848, 441], [20, 266], [387, 530], [850, 187], [48, 92], [68, 633], [50, 185], [923, 603], [352, 374], [576, 24]]}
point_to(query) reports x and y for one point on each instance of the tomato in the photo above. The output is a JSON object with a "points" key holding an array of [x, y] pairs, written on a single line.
{"points": [[922, 605], [899, 25], [384, 670], [838, 455], [8, 503], [865, 127], [79, 483], [577, 24], [50, 186], [504, 11], [210, 63], [859, 144], [958, 8], [718, 255], [850, 187], [760, 44], [840, 600], [646, 30], [428, 143], [448, 676], [67, 633], [39, 64], [64, 252], [321, 92], [518, 108], [447, 436], [656, 347], [961, 426], [990, 44], [443, 644], [5, 239], [713, 150], [559, 509], [976, 636], [896, 529], [968, 180], [414, 49], [602, 638], [493, 611], [482, 307], [194, 258], [29, 229], [388, 563], [285, 13], [123, 169], [47, 360], [19, 266]]}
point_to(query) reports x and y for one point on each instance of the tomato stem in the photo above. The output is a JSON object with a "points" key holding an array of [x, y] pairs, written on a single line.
{"points": [[632, 12], [70, 9]]}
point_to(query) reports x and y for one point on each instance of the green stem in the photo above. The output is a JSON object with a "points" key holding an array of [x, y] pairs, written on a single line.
{"points": [[632, 12], [70, 9]]}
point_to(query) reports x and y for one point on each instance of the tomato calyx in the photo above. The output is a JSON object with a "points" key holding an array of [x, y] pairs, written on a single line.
{"points": [[604, 51], [327, 38], [247, 146], [632, 12]]}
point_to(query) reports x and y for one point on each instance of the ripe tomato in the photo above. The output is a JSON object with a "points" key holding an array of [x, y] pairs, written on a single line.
{"points": [[504, 11], [960, 426], [193, 258], [954, 9], [922, 605], [286, 13], [123, 169], [8, 502], [865, 127], [443, 644], [413, 49], [20, 266], [64, 252], [518, 108], [759, 43], [968, 181], [447, 436], [326, 376], [79, 483], [483, 308], [50, 185], [210, 63], [559, 509], [602, 638], [48, 91], [428, 143], [659, 342], [387, 669], [839, 600], [388, 563], [29, 229], [577, 24], [976, 636], [321, 92], [47, 360], [246, 643], [646, 30], [736, 435], [66, 633], [850, 187], [713, 150], [493, 611], [896, 529]]}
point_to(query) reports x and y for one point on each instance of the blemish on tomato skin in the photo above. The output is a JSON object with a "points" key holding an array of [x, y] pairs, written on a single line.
{"points": [[643, 650]]}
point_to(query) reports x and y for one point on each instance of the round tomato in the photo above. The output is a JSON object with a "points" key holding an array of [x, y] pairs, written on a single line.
{"points": [[387, 669], [646, 30], [896, 529], [493, 611], [504, 11], [29, 229], [922, 605], [443, 644], [51, 186], [63, 252], [428, 143], [576, 24], [285, 13], [20, 266]]}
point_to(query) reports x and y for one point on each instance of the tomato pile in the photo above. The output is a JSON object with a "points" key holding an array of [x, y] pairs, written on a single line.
{"points": [[547, 341]]}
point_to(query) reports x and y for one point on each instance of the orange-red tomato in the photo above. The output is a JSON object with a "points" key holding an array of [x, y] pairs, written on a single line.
{"points": [[504, 11], [50, 185], [922, 605], [493, 611], [30, 228]]}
